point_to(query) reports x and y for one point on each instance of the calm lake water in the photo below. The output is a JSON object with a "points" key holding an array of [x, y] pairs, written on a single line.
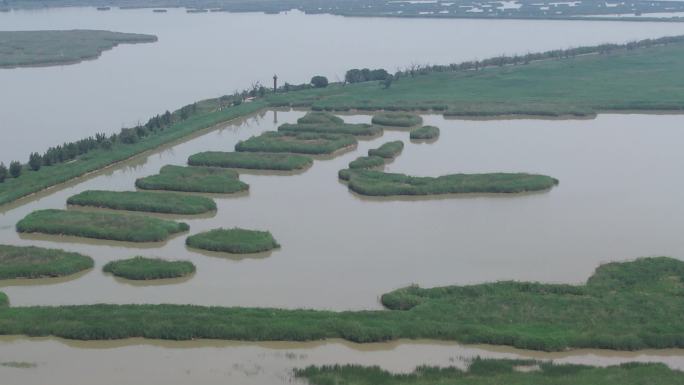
{"points": [[212, 54]]}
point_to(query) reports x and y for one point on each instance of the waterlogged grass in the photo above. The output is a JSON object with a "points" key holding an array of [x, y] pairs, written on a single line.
{"points": [[100, 225], [140, 268], [377, 183], [235, 241], [388, 150], [497, 371], [36, 262], [193, 179], [320, 117], [365, 162], [155, 202], [623, 306], [425, 133], [397, 119], [302, 143], [254, 161]]}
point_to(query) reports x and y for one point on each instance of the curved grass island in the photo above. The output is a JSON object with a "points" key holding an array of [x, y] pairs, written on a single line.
{"points": [[389, 150], [497, 371], [234, 241], [425, 133], [29, 262], [623, 306], [397, 119], [100, 225], [310, 143], [194, 179], [251, 160], [378, 183], [144, 269], [366, 162], [154, 202]]}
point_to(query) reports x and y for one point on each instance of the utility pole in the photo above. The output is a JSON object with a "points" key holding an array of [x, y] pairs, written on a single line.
{"points": [[275, 83]]}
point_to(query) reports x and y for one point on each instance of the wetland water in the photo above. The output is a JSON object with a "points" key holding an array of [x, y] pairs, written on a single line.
{"points": [[46, 106], [615, 186]]}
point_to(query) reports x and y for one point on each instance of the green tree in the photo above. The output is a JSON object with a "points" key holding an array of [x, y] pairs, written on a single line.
{"points": [[15, 169], [319, 81], [35, 161], [3, 172]]}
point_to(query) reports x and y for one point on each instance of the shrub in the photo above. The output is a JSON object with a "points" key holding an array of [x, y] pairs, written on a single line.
{"points": [[3, 172], [15, 169], [36, 262], [425, 133], [236, 241], [100, 225], [35, 161], [319, 81], [154, 202], [193, 179], [397, 119], [255, 160], [4, 301], [140, 268], [388, 150]]}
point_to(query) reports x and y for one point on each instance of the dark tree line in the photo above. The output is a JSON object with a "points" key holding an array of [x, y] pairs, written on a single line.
{"points": [[365, 75]]}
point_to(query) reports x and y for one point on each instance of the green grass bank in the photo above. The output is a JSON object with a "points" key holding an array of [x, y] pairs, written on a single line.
{"points": [[366, 162], [623, 306], [378, 183], [234, 241], [36, 262], [100, 225], [502, 371], [251, 160], [194, 179], [143, 269], [389, 150], [397, 119], [168, 203]]}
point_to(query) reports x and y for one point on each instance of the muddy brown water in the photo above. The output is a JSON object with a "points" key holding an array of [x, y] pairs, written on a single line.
{"points": [[617, 200]]}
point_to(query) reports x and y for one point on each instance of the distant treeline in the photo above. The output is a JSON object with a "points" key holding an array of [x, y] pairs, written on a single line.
{"points": [[504, 60]]}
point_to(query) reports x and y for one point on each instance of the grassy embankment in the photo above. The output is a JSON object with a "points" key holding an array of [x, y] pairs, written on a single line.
{"points": [[193, 179], [36, 262], [624, 306], [397, 119], [637, 79], [154, 202], [575, 86], [235, 241], [100, 225], [301, 143], [140, 268], [498, 371], [252, 161], [378, 183], [424, 133], [43, 48]]}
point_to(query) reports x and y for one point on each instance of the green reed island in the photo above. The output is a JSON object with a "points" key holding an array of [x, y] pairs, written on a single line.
{"points": [[46, 48], [154, 202], [397, 119], [100, 225], [497, 371], [194, 179], [378, 183], [559, 83], [365, 162], [310, 143], [234, 241], [425, 133], [143, 269], [623, 306], [28, 262], [389, 150], [251, 160]]}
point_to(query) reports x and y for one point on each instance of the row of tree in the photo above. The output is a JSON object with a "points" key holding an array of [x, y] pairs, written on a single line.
{"points": [[365, 75], [14, 170]]}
